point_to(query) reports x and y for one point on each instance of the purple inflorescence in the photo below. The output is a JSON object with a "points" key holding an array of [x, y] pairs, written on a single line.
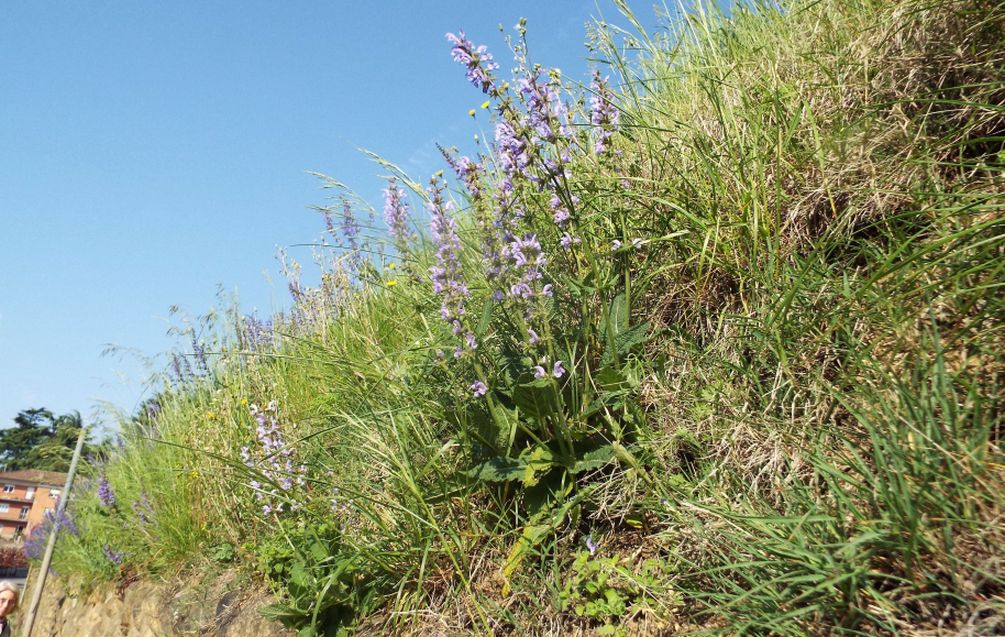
{"points": [[448, 280], [547, 116], [105, 494], [273, 459], [350, 233], [143, 509], [396, 213], [477, 60], [256, 335], [604, 115], [199, 352], [479, 389], [527, 260], [560, 213], [181, 368], [34, 544], [112, 555], [514, 158]]}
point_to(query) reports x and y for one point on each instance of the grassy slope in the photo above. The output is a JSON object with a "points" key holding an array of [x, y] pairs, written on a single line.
{"points": [[808, 441]]}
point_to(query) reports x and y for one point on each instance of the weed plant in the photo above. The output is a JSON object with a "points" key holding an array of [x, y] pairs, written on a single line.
{"points": [[712, 343]]}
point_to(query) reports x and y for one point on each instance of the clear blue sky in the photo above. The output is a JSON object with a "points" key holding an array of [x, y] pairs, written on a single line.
{"points": [[152, 152]]}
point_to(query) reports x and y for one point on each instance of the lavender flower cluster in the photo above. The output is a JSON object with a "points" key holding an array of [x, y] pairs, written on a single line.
{"points": [[113, 556], [274, 460], [350, 234], [448, 279], [604, 115], [34, 544], [105, 494], [143, 509], [256, 335], [477, 60], [535, 136], [396, 214]]}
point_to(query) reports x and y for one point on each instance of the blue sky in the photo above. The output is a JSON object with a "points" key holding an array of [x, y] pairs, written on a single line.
{"points": [[152, 153]]}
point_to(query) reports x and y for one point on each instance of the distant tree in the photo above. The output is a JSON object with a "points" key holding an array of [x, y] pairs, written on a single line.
{"points": [[40, 440]]}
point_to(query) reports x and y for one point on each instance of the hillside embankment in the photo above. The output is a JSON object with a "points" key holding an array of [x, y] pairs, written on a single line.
{"points": [[222, 606], [712, 339]]}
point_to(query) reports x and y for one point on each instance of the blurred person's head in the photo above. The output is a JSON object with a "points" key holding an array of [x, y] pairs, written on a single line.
{"points": [[9, 595]]}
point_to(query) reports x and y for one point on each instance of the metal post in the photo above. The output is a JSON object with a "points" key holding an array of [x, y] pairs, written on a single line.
{"points": [[43, 571]]}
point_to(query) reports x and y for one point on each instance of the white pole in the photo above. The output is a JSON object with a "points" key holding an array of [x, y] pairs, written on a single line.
{"points": [[43, 571]]}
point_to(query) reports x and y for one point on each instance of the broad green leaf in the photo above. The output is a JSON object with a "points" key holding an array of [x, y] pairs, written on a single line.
{"points": [[537, 399], [540, 460], [594, 459], [499, 470], [626, 341]]}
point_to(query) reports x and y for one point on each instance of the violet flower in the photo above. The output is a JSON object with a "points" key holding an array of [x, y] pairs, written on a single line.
{"points": [[604, 115], [447, 277], [112, 556], [396, 213], [558, 371], [479, 389], [105, 494], [274, 459], [477, 60], [143, 509], [350, 232]]}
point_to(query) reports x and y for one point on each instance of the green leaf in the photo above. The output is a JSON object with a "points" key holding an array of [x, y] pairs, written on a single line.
{"points": [[594, 459], [539, 460], [617, 320], [537, 399], [544, 525], [612, 380], [627, 340], [318, 551], [298, 575], [486, 318], [499, 470]]}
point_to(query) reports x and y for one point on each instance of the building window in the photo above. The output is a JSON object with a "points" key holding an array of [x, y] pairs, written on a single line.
{"points": [[4, 507], [8, 488], [24, 513], [30, 493], [19, 531]]}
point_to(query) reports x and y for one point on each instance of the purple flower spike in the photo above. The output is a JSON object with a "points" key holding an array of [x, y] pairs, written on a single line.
{"points": [[479, 389], [105, 494], [113, 556], [477, 60], [539, 372], [448, 280], [604, 115], [591, 546], [396, 213]]}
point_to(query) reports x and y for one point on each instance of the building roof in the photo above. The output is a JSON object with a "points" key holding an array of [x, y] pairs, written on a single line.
{"points": [[48, 478]]}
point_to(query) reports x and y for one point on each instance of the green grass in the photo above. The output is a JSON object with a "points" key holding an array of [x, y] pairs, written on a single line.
{"points": [[783, 349]]}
